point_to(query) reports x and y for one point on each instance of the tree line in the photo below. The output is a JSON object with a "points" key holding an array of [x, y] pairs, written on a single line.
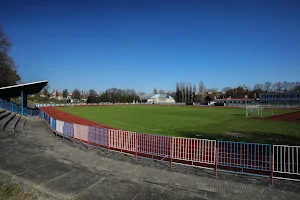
{"points": [[186, 92], [113, 95], [245, 91]]}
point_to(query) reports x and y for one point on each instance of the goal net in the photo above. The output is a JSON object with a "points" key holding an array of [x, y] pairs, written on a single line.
{"points": [[104, 103], [258, 109]]}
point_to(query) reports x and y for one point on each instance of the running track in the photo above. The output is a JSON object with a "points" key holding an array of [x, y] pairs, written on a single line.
{"points": [[63, 116]]}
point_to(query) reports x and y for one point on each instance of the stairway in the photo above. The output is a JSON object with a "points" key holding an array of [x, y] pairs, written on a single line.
{"points": [[11, 122], [10, 127]]}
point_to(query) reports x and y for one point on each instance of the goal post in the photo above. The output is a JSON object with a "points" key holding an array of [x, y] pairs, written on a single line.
{"points": [[258, 109]]}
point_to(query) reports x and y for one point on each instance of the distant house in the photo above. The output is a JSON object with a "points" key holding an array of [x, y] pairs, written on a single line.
{"points": [[56, 95], [69, 96]]}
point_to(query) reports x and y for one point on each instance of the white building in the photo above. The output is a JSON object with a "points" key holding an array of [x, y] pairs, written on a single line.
{"points": [[236, 101], [280, 97], [157, 99]]}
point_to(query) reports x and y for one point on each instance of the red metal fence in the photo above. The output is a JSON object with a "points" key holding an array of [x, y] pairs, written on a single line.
{"points": [[281, 161]]}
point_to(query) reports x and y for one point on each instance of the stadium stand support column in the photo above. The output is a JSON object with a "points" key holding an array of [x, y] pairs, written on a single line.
{"points": [[23, 101]]}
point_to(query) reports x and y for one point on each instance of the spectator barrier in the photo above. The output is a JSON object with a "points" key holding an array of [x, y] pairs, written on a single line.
{"points": [[252, 156], [18, 109], [286, 162], [275, 161]]}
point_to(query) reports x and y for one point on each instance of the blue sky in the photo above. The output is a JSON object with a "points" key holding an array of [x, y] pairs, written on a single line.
{"points": [[146, 44]]}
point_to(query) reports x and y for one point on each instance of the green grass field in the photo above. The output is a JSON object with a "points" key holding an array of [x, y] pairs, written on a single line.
{"points": [[203, 122]]}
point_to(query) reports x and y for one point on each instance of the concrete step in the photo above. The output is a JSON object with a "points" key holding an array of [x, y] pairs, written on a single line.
{"points": [[4, 114], [10, 127], [2, 111], [6, 120], [27, 125], [20, 125]]}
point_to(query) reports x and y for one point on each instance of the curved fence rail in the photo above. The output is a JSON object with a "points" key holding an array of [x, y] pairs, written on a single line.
{"points": [[18, 109], [275, 161]]}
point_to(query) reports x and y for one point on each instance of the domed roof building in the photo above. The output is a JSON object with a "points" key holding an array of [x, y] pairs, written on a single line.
{"points": [[157, 99]]}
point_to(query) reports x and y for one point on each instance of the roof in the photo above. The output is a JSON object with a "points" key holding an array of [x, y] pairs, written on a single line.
{"points": [[29, 88], [146, 96], [154, 96]]}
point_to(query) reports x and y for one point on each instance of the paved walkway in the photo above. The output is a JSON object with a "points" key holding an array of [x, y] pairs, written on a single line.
{"points": [[66, 171]]}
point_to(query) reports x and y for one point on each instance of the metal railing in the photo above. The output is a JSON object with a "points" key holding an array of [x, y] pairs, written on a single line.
{"points": [[274, 161], [18, 109]]}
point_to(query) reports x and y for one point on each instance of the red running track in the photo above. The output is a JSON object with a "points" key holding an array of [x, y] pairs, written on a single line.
{"points": [[290, 117], [63, 116]]}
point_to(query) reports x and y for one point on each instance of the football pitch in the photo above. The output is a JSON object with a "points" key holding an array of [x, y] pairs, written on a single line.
{"points": [[194, 122]]}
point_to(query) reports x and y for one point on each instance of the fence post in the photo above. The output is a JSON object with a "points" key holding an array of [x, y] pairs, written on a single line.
{"points": [[136, 147], [272, 167], [88, 139], [73, 134], [171, 151], [63, 134], [216, 160], [108, 139]]}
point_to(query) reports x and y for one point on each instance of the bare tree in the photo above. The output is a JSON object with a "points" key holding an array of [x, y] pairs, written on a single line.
{"points": [[202, 91], [155, 91], [278, 87], [76, 94], [190, 92], [8, 72], [182, 92], [267, 86], [92, 92], [161, 92], [285, 86], [194, 93], [187, 93], [258, 87], [177, 96], [297, 87], [226, 89]]}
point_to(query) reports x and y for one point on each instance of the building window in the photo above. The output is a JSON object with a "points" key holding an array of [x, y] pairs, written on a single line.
{"points": [[243, 101], [230, 101], [234, 101], [297, 95]]}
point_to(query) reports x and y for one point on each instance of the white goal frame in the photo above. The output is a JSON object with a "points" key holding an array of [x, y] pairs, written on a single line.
{"points": [[257, 108]]}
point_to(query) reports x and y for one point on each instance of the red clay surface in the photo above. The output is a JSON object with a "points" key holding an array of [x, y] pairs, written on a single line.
{"points": [[63, 116], [289, 117]]}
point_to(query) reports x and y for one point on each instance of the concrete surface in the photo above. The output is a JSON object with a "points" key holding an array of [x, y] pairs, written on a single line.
{"points": [[64, 170]]}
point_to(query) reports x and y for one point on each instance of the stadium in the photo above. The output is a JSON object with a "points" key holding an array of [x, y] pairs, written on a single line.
{"points": [[166, 132], [150, 100]]}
